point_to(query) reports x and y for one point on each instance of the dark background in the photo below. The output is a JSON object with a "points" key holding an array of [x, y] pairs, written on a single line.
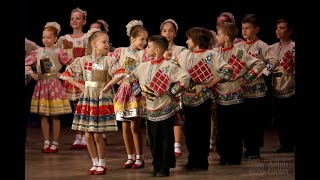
{"points": [[118, 13]]}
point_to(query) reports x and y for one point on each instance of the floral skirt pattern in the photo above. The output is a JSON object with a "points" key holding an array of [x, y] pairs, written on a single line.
{"points": [[49, 98]]}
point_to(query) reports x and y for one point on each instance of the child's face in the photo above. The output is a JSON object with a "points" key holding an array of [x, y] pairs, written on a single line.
{"points": [[151, 49], [77, 20], [168, 31], [221, 37], [140, 41], [48, 38], [249, 31], [102, 44], [282, 31], [190, 44]]}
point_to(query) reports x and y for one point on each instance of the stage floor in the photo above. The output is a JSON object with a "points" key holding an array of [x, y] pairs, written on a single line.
{"points": [[70, 164]]}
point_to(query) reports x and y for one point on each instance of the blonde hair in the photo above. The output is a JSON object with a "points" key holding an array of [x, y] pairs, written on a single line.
{"points": [[92, 34], [81, 11]]}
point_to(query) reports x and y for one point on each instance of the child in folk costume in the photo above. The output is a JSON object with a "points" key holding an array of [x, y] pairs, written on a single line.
{"points": [[229, 95], [283, 84], [128, 108], [75, 44], [169, 30], [223, 17], [94, 112], [206, 68], [103, 26], [160, 82], [257, 100], [49, 98]]}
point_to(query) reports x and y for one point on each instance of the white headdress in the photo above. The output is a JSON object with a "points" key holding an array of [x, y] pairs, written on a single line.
{"points": [[91, 31], [172, 21], [53, 24], [131, 24], [229, 15], [104, 23]]}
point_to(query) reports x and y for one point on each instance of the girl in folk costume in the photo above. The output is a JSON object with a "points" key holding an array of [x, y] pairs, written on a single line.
{"points": [[75, 44], [255, 93], [103, 26], [283, 84], [160, 82], [94, 112], [127, 107], [229, 95], [169, 30], [206, 68], [49, 97]]}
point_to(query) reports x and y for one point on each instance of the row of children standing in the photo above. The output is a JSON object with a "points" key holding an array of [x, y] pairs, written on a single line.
{"points": [[97, 110]]}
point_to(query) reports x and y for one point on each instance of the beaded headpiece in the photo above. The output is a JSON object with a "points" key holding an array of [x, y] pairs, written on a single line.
{"points": [[55, 25], [131, 24]]}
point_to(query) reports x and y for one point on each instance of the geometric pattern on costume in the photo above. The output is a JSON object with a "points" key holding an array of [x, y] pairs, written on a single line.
{"points": [[159, 82], [200, 72], [251, 54], [236, 64], [87, 65], [256, 53], [287, 62]]}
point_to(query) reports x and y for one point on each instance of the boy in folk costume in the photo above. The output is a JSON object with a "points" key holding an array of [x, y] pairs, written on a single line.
{"points": [[283, 84], [229, 95], [206, 68], [169, 29], [160, 81], [257, 100]]}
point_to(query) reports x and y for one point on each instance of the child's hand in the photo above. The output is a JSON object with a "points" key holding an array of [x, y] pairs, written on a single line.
{"points": [[148, 93], [106, 88], [67, 44], [167, 54], [33, 75]]}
